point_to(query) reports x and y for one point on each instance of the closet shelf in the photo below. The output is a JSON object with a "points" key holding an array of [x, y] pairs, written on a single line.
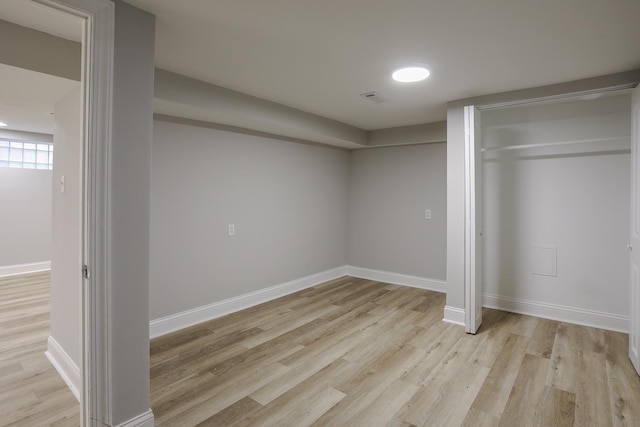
{"points": [[552, 144]]}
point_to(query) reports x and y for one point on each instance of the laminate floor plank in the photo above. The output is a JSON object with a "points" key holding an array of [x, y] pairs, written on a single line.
{"points": [[623, 391], [523, 325], [447, 394], [192, 355], [201, 385], [496, 330], [543, 338], [166, 379], [365, 384], [394, 397], [32, 393], [478, 418], [302, 368], [528, 393], [492, 398], [566, 358], [241, 410], [430, 299], [593, 405], [357, 317], [355, 352], [435, 354], [217, 394], [557, 409], [301, 406], [286, 325]]}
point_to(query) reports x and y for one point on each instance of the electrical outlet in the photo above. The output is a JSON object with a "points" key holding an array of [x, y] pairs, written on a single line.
{"points": [[427, 214], [232, 230]]}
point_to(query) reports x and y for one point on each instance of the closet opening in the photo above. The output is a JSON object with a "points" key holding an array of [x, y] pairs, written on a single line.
{"points": [[556, 198]]}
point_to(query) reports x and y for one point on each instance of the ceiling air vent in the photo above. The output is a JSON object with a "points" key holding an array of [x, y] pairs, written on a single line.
{"points": [[372, 96]]}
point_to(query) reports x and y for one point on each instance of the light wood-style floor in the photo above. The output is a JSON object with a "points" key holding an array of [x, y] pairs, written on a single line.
{"points": [[31, 391], [354, 352], [350, 352]]}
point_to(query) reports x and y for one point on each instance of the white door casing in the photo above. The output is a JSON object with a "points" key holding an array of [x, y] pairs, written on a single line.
{"points": [[634, 235], [473, 220], [97, 78]]}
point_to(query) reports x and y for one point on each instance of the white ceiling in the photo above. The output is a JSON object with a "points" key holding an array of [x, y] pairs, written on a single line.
{"points": [[42, 18], [318, 56], [27, 98]]}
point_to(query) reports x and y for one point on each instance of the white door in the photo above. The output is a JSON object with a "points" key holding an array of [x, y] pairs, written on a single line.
{"points": [[634, 243], [473, 220]]}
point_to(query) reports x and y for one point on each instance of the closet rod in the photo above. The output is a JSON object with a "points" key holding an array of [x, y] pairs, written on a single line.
{"points": [[550, 144]]}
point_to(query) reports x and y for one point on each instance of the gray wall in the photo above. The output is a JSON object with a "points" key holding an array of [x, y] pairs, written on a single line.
{"points": [[288, 202], [573, 197], [130, 172], [416, 134], [25, 136], [37, 51], [455, 207], [389, 191], [25, 213], [66, 257], [176, 94]]}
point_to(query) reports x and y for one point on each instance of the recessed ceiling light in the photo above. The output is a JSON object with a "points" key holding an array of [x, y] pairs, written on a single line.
{"points": [[414, 73], [3, 125]]}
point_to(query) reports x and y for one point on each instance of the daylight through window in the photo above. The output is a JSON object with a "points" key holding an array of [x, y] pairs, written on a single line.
{"points": [[26, 155]]}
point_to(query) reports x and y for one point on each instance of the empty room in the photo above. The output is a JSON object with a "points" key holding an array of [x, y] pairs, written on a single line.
{"points": [[324, 214]]}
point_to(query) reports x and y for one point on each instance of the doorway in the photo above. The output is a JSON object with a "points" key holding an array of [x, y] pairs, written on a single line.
{"points": [[97, 17], [42, 109]]}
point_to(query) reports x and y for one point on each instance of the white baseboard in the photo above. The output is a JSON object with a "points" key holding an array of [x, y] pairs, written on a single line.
{"points": [[175, 322], [145, 419], [65, 366], [397, 278], [454, 315], [34, 267], [595, 319]]}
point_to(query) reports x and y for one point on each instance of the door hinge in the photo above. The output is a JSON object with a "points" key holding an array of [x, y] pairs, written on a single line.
{"points": [[86, 273]]}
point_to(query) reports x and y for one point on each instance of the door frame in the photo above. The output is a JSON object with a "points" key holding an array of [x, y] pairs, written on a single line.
{"points": [[472, 297], [473, 220], [634, 234], [97, 94]]}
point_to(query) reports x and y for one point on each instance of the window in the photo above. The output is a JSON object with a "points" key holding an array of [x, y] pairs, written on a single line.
{"points": [[26, 155]]}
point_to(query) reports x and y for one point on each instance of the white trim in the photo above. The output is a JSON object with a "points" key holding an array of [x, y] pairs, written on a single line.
{"points": [[579, 316], [97, 79], [397, 278], [34, 267], [98, 57], [560, 96], [145, 419], [175, 322], [65, 366], [454, 315]]}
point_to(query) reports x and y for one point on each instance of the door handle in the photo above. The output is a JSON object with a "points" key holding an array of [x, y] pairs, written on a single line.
{"points": [[629, 246]]}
